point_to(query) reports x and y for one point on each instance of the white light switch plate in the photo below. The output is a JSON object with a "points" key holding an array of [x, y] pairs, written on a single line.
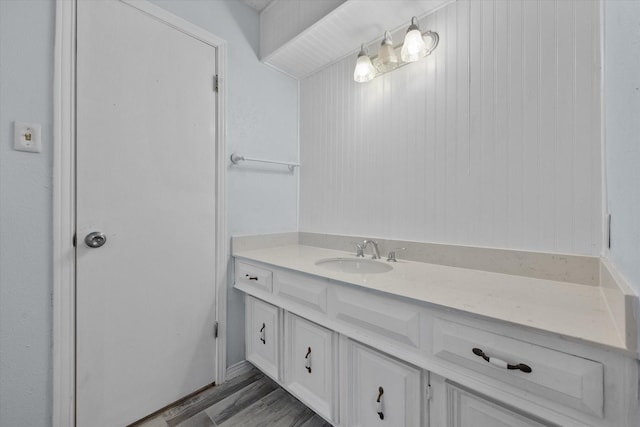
{"points": [[27, 137]]}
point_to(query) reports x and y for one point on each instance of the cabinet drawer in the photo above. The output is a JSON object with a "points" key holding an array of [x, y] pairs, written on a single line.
{"points": [[309, 363], [372, 376], [379, 315], [305, 291], [263, 335], [253, 276], [560, 377], [467, 409]]}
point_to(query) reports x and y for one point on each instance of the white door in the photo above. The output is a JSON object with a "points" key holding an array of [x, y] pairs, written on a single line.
{"points": [[146, 179]]}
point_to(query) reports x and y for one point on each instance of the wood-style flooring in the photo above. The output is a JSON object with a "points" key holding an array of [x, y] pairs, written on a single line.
{"points": [[248, 400]]}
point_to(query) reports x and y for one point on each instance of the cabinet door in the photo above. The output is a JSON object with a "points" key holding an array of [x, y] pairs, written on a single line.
{"points": [[467, 409], [382, 391], [263, 335], [309, 363]]}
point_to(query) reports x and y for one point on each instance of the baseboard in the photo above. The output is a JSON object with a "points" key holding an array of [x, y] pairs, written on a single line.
{"points": [[238, 369]]}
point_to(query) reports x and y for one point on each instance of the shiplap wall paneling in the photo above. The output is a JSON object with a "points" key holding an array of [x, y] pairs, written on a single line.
{"points": [[493, 140]]}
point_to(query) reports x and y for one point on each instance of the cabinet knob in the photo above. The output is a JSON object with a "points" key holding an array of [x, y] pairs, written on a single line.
{"points": [[307, 362], [250, 277], [501, 363], [379, 403], [262, 334]]}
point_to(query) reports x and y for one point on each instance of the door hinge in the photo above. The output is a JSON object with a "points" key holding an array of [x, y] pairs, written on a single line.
{"points": [[428, 393], [215, 329], [215, 83], [609, 231], [74, 239]]}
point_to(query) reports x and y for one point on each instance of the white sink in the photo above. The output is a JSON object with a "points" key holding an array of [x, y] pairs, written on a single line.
{"points": [[354, 265]]}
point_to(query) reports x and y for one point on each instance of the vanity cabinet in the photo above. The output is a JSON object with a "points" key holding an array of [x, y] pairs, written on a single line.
{"points": [[263, 336], [363, 358], [381, 390], [309, 363]]}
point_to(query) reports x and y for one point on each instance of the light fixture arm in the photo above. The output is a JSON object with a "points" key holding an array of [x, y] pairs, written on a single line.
{"points": [[363, 51], [414, 25], [386, 39]]}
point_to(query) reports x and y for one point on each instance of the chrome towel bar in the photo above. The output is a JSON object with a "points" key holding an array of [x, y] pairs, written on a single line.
{"points": [[235, 158]]}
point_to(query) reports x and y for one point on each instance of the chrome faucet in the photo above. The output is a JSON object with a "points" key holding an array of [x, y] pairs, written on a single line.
{"points": [[376, 251]]}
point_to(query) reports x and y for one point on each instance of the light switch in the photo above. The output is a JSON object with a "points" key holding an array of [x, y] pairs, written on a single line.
{"points": [[27, 137]]}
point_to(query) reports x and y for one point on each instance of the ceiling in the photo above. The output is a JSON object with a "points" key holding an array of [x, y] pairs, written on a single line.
{"points": [[258, 4]]}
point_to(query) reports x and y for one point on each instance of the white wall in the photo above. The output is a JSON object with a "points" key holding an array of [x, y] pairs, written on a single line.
{"points": [[26, 73], [494, 140], [622, 111], [262, 114]]}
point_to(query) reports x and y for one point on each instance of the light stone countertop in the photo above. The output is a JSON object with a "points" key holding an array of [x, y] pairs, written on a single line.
{"points": [[571, 310]]}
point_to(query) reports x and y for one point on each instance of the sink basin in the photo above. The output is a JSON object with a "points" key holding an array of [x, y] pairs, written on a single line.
{"points": [[354, 265]]}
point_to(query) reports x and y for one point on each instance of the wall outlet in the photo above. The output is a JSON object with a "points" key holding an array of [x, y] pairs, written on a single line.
{"points": [[27, 137]]}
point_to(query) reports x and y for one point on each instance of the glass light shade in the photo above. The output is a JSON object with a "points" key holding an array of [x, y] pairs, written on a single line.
{"points": [[364, 70], [414, 47], [387, 59]]}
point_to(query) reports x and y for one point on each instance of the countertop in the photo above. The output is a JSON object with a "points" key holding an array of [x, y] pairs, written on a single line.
{"points": [[571, 310]]}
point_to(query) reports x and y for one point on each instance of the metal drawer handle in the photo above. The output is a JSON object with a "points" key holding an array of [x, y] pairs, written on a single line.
{"points": [[501, 363], [262, 334], [307, 363], [379, 403], [251, 277]]}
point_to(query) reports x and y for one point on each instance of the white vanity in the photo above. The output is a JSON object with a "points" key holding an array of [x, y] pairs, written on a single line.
{"points": [[433, 345]]}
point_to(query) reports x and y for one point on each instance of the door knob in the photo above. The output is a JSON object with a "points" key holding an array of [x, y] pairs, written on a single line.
{"points": [[95, 239]]}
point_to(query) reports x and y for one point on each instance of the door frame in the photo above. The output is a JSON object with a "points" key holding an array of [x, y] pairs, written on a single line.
{"points": [[64, 199]]}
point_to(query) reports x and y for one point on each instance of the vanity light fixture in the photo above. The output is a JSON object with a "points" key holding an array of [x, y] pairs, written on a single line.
{"points": [[364, 71], [416, 46]]}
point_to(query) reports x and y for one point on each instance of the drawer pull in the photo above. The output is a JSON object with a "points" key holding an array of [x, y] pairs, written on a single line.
{"points": [[307, 363], [379, 403], [501, 363], [262, 334], [248, 276]]}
